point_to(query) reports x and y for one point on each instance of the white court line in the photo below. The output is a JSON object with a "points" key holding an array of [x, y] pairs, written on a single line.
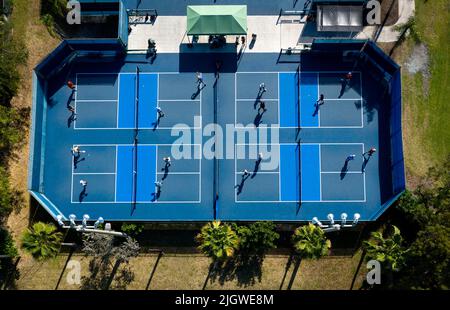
{"points": [[359, 72], [279, 101], [342, 99], [140, 128], [236, 126], [264, 72], [279, 173], [115, 179], [320, 169], [178, 100], [306, 143], [100, 100], [331, 127], [178, 173], [140, 201], [99, 73], [339, 172], [254, 99], [318, 107], [75, 104], [362, 100], [235, 98], [71, 182], [118, 101], [303, 201], [364, 177], [258, 172], [94, 173], [156, 162], [157, 173], [141, 144]]}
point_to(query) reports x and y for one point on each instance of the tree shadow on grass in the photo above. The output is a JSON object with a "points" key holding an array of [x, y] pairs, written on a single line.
{"points": [[245, 269], [102, 276]]}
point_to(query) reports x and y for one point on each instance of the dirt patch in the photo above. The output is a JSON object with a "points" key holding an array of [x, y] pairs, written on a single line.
{"points": [[389, 12], [419, 62]]}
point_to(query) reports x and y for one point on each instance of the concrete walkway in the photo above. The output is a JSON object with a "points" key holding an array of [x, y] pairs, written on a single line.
{"points": [[406, 9], [169, 32]]}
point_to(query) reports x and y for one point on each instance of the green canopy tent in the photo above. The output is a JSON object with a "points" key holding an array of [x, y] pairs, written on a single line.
{"points": [[217, 20]]}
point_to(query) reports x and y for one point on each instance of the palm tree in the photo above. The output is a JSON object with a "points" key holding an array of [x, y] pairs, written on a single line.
{"points": [[218, 240], [42, 241], [388, 251], [310, 242]]}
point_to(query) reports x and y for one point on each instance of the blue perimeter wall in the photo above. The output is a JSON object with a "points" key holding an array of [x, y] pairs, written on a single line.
{"points": [[68, 50]]}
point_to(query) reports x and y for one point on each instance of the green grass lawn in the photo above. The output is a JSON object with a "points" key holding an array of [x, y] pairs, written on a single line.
{"points": [[190, 271], [426, 113]]}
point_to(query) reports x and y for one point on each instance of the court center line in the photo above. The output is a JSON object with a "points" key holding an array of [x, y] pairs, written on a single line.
{"points": [[115, 179]]}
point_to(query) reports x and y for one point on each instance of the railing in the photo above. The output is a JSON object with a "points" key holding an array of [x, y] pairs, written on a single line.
{"points": [[142, 16]]}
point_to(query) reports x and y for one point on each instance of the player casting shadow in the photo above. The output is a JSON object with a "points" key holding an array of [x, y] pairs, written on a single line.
{"points": [[71, 119], [158, 120], [166, 171], [366, 160], [83, 194], [256, 168], [316, 109], [344, 84], [77, 159], [344, 170], [70, 99], [252, 42], [197, 92], [156, 194], [240, 186], [258, 118]]}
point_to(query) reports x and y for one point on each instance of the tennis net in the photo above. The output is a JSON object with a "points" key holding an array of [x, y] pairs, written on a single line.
{"points": [[135, 140], [297, 96]]}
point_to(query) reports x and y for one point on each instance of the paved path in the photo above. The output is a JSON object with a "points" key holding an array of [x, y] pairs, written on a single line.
{"points": [[388, 34], [169, 32]]}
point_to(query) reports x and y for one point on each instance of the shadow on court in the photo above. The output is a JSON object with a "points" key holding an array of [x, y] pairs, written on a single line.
{"points": [[83, 194], [192, 61], [77, 160], [258, 119], [256, 168], [316, 109], [240, 186], [72, 117], [198, 91], [344, 170], [156, 194]]}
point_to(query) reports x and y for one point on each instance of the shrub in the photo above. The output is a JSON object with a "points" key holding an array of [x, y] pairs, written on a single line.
{"points": [[42, 241], [132, 229], [257, 238], [310, 242], [218, 240]]}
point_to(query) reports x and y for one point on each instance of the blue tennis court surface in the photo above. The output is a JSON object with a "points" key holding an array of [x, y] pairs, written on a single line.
{"points": [[302, 174]]}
